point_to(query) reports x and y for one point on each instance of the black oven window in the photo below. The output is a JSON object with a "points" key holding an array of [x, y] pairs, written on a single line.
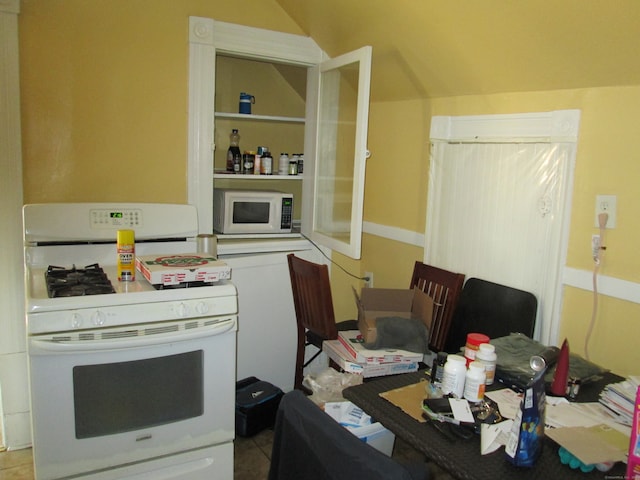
{"points": [[126, 396], [251, 212]]}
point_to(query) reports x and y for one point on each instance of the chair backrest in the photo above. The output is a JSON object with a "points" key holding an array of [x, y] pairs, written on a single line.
{"points": [[493, 309], [314, 309], [309, 444], [312, 297], [444, 287]]}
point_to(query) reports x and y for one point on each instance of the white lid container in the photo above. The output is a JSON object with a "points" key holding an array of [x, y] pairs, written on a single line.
{"points": [[454, 375], [486, 354], [474, 382]]}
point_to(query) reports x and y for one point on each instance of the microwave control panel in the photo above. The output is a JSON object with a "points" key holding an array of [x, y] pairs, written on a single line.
{"points": [[286, 217]]}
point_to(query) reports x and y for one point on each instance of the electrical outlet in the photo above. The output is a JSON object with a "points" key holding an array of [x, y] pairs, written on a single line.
{"points": [[606, 204], [595, 245], [368, 283]]}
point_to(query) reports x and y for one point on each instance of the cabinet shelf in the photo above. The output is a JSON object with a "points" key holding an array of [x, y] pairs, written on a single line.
{"points": [[234, 176], [264, 118]]}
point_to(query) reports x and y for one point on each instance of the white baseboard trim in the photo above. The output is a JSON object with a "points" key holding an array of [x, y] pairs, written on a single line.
{"points": [[610, 286], [394, 233]]}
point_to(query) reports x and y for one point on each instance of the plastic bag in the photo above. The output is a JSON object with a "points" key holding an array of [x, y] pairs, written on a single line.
{"points": [[327, 385]]}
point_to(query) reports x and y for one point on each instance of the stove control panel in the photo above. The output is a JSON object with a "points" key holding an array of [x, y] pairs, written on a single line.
{"points": [[116, 218], [119, 315]]}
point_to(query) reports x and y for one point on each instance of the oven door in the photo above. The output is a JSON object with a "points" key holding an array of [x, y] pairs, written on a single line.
{"points": [[107, 398]]}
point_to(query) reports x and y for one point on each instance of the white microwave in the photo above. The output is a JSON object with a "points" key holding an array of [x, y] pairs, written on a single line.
{"points": [[252, 211]]}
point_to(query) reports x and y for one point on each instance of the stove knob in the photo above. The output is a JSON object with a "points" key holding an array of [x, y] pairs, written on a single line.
{"points": [[182, 309], [202, 308], [76, 320], [98, 318]]}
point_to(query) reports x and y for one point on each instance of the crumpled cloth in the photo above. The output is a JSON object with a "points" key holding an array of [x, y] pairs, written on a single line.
{"points": [[402, 333]]}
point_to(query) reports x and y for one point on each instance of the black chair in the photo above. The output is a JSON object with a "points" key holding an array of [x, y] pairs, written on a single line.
{"points": [[493, 309], [310, 445]]}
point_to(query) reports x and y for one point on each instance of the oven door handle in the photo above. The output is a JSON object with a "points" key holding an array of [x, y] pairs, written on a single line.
{"points": [[58, 346]]}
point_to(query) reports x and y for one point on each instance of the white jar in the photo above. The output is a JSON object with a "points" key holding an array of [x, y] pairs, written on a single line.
{"points": [[486, 354], [283, 164], [474, 382], [454, 375]]}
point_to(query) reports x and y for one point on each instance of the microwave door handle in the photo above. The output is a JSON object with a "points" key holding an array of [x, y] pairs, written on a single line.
{"points": [[127, 343]]}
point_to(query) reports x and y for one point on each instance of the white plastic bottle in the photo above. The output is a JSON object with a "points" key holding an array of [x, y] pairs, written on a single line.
{"points": [[474, 382], [454, 375], [486, 354], [283, 164]]}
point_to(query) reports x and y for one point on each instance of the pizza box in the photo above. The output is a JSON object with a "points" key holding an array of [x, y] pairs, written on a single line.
{"points": [[336, 351], [353, 343], [174, 269]]}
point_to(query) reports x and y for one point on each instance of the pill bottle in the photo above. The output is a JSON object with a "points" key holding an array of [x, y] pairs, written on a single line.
{"points": [[266, 164], [283, 164], [474, 382], [437, 368], [126, 255], [486, 355], [454, 374], [474, 340]]}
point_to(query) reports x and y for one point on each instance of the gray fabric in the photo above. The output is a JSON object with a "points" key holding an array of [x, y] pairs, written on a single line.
{"points": [[310, 445], [402, 333]]}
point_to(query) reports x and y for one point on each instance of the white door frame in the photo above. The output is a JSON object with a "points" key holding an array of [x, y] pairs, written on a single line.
{"points": [[556, 128]]}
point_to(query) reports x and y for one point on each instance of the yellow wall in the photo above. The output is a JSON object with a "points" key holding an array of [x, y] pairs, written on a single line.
{"points": [[607, 163], [104, 94], [104, 105]]}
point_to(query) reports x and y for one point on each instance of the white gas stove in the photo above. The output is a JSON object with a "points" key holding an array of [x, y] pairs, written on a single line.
{"points": [[134, 382]]}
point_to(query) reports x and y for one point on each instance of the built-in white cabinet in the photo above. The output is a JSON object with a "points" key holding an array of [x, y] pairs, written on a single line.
{"points": [[320, 108]]}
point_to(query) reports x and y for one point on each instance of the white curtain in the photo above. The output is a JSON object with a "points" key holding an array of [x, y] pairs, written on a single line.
{"points": [[499, 211]]}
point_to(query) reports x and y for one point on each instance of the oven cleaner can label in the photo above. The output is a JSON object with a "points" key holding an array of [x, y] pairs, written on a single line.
{"points": [[126, 250]]}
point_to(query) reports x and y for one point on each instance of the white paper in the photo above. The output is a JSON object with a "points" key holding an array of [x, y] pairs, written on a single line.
{"points": [[347, 414], [461, 410], [494, 436], [508, 401]]}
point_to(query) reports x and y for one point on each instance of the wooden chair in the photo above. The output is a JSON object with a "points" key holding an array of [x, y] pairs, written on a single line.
{"points": [[444, 287], [313, 304], [493, 309]]}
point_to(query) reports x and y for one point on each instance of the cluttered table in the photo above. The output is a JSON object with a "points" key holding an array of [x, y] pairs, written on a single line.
{"points": [[462, 458]]}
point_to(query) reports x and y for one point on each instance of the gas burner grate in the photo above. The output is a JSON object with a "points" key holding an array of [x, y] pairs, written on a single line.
{"points": [[73, 282]]}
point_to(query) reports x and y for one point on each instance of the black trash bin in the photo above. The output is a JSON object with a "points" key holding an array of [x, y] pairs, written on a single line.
{"points": [[257, 402]]}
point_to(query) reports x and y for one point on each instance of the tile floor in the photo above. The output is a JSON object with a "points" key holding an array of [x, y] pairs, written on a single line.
{"points": [[252, 457]]}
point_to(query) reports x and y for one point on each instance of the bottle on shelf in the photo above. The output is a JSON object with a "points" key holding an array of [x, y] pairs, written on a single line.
{"points": [[234, 149], [283, 164], [266, 163], [300, 163], [295, 157]]}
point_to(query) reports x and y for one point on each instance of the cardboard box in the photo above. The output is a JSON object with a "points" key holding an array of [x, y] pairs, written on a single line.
{"points": [[174, 269], [336, 351], [352, 342], [373, 303], [377, 436]]}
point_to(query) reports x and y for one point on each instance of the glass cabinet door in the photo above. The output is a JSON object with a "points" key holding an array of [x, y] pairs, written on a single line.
{"points": [[341, 150]]}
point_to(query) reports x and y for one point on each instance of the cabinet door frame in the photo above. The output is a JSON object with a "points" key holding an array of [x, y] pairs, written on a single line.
{"points": [[207, 38], [310, 211]]}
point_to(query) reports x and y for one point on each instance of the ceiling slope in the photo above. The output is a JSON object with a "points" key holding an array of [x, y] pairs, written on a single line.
{"points": [[428, 48]]}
